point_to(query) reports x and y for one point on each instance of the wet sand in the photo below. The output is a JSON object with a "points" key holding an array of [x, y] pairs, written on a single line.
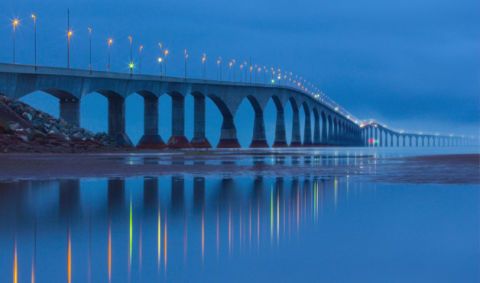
{"points": [[442, 169]]}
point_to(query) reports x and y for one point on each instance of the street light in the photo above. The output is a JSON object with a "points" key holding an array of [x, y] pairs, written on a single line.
{"points": [[130, 64], [185, 56], [90, 31], [165, 54], [160, 60], [140, 50], [69, 37], [204, 60], [34, 18], [219, 68], [15, 23], [109, 44]]}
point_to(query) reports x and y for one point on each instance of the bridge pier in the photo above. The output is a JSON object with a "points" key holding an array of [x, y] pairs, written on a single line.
{"points": [[116, 121], [324, 129], [295, 128], [178, 139], [70, 110], [259, 140], [228, 135], [199, 140], [316, 129], [151, 139], [307, 131], [280, 135]]}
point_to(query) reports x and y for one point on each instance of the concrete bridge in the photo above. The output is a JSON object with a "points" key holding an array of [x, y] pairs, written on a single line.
{"points": [[375, 134], [331, 125]]}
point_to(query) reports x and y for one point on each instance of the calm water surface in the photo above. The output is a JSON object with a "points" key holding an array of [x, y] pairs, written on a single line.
{"points": [[229, 228]]}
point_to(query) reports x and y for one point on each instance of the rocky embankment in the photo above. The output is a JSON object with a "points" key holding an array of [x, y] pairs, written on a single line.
{"points": [[25, 129]]}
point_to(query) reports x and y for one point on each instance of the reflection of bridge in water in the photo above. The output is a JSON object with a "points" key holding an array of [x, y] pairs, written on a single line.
{"points": [[116, 228], [325, 123]]}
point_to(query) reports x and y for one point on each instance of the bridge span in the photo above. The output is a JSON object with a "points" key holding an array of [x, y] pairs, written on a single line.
{"points": [[332, 126]]}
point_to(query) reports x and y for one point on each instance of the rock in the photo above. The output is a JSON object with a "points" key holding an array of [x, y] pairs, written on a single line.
{"points": [[14, 126]]}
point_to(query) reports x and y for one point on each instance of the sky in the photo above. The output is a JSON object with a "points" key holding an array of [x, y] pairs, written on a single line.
{"points": [[412, 64]]}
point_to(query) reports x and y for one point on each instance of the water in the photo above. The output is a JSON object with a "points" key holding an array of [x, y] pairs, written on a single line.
{"points": [[227, 227]]}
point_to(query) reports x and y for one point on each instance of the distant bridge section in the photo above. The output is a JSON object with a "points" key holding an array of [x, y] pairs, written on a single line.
{"points": [[375, 134]]}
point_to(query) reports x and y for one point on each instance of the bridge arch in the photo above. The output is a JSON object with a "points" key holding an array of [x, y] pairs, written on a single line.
{"points": [[68, 103], [228, 134]]}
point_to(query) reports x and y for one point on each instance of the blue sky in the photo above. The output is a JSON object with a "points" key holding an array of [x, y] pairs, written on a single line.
{"points": [[412, 64]]}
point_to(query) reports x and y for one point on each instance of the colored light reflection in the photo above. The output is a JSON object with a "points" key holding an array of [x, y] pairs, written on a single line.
{"points": [[15, 263], [69, 257]]}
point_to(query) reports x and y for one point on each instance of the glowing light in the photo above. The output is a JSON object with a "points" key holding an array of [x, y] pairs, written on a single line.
{"points": [[273, 81], [160, 59], [166, 52], [69, 34], [15, 23], [110, 42], [34, 17], [131, 65]]}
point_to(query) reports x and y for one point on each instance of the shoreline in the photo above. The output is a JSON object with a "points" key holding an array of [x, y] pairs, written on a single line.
{"points": [[437, 168]]}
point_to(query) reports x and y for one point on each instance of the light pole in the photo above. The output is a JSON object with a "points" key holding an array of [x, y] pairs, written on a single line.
{"points": [[140, 49], [160, 60], [219, 68], [15, 23], [130, 64], [109, 44], [90, 31], [241, 72], [69, 37], [34, 18], [165, 54], [185, 56], [204, 61]]}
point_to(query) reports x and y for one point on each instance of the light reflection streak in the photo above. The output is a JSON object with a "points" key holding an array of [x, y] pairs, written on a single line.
{"points": [[159, 238], [130, 239], [109, 252], [276, 217], [165, 240], [15, 263], [203, 235], [69, 257]]}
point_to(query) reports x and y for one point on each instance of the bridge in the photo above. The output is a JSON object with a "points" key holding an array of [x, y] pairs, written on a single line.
{"points": [[332, 125]]}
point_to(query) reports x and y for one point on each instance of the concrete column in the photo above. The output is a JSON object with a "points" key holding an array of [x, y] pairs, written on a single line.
{"points": [[324, 130], [295, 129], [259, 140], [199, 140], [150, 138], [307, 130], [178, 139], [70, 110], [228, 135], [316, 130], [116, 121], [280, 135]]}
